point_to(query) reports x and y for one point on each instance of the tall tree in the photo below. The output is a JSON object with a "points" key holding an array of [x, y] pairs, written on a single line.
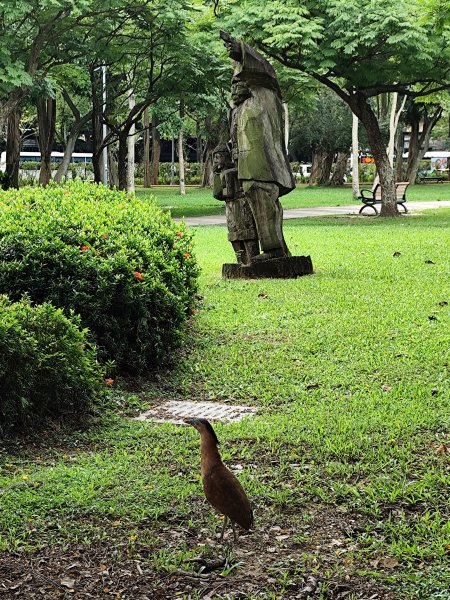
{"points": [[324, 128]]}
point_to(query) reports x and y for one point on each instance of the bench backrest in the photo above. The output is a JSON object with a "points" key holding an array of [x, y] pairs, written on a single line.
{"points": [[400, 188], [377, 192]]}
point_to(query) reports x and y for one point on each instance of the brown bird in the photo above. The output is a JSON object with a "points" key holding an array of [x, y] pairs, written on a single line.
{"points": [[221, 487]]}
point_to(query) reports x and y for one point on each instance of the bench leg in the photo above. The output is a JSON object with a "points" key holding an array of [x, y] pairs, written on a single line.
{"points": [[404, 207], [367, 206]]}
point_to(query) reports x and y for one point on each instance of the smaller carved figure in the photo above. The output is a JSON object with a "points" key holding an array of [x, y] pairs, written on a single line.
{"points": [[241, 224]]}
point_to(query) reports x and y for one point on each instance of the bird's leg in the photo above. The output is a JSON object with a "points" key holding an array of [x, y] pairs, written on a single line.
{"points": [[225, 521], [234, 531]]}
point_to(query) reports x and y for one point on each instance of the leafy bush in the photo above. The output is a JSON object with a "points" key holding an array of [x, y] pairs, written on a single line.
{"points": [[47, 365], [4, 180], [32, 165], [192, 173], [118, 261]]}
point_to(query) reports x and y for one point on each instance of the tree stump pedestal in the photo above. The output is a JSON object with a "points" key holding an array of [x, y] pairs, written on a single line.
{"points": [[288, 267]]}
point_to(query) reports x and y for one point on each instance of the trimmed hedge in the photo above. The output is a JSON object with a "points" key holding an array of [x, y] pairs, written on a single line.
{"points": [[119, 262], [193, 173], [47, 365]]}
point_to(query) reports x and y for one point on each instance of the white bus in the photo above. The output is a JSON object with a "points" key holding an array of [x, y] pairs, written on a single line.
{"points": [[77, 157]]}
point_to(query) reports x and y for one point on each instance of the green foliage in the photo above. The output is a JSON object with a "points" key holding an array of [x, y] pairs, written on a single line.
{"points": [[31, 165], [47, 365], [193, 173], [367, 44], [327, 124], [119, 262], [4, 180]]}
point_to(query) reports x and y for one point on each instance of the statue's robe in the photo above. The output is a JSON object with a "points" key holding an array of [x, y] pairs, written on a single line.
{"points": [[258, 126]]}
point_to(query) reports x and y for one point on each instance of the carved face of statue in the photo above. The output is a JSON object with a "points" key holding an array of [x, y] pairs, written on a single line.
{"points": [[220, 161], [239, 92]]}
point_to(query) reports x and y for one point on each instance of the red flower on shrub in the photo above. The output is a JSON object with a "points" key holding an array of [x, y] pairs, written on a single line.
{"points": [[194, 311], [84, 248], [138, 275], [179, 233], [187, 255], [108, 381]]}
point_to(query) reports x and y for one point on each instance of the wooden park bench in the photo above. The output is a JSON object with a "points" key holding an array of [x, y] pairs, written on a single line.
{"points": [[372, 197], [425, 179]]}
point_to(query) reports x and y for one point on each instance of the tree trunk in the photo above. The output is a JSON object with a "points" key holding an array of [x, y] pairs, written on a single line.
{"points": [[199, 144], [146, 157], [286, 125], [70, 146], [181, 150], [364, 112], [399, 152], [122, 159], [208, 175], [13, 146], [322, 161], [113, 167], [96, 127], [46, 112], [355, 157], [393, 123], [156, 152], [340, 169], [131, 147]]}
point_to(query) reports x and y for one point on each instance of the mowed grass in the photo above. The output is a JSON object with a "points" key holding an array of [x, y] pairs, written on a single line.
{"points": [[349, 369], [199, 202]]}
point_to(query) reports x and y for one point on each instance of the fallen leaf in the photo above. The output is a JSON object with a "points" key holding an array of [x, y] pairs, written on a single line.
{"points": [[443, 449], [432, 318], [434, 391], [386, 388], [429, 262], [263, 296], [68, 582], [389, 562], [397, 254], [443, 303]]}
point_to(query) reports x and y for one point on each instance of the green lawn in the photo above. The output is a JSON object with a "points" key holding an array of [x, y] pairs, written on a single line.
{"points": [[344, 462], [198, 202]]}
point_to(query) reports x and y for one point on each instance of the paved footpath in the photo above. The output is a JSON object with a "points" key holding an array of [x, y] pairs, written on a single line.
{"points": [[298, 213]]}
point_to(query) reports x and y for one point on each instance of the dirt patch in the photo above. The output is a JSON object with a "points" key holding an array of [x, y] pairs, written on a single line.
{"points": [[300, 555]]}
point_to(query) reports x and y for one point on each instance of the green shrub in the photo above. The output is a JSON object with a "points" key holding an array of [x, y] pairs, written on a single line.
{"points": [[4, 181], [47, 365], [192, 172], [118, 261]]}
